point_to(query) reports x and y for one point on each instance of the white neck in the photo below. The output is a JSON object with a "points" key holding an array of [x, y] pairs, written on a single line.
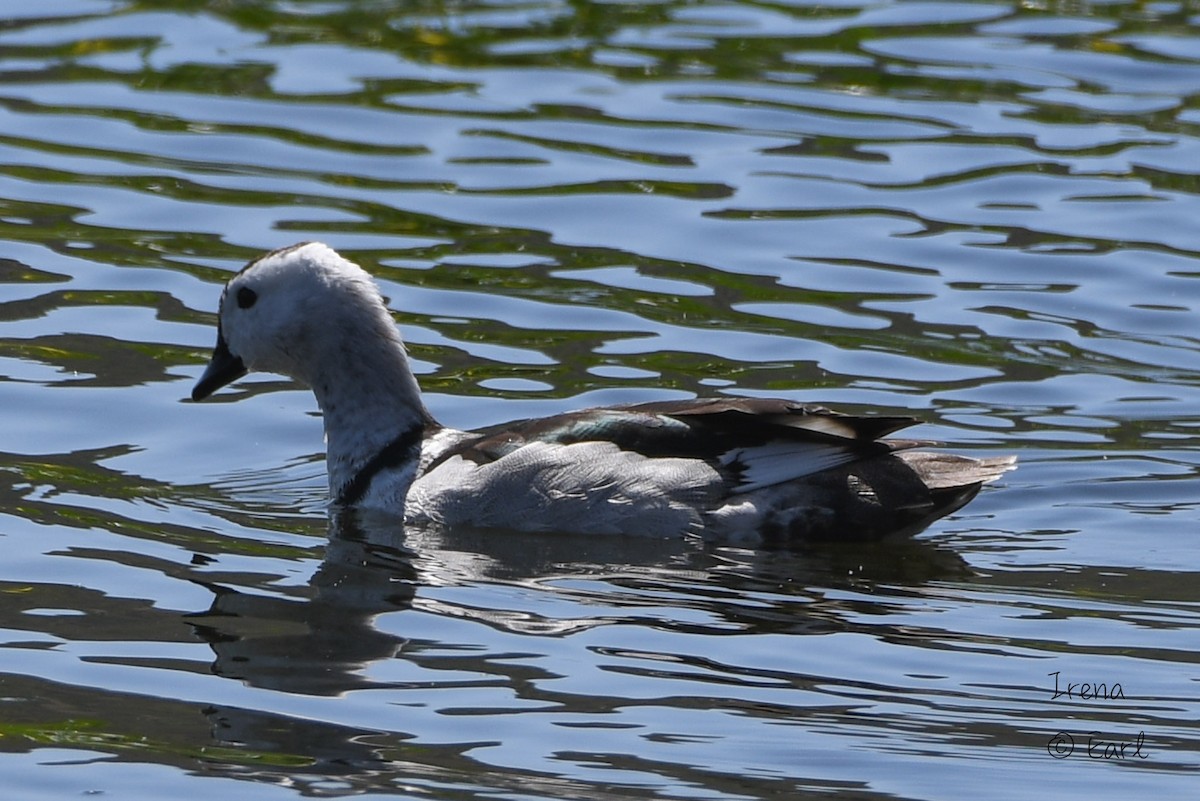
{"points": [[369, 397]]}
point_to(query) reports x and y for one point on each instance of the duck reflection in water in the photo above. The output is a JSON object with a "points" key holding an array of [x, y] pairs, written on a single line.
{"points": [[319, 639], [326, 638]]}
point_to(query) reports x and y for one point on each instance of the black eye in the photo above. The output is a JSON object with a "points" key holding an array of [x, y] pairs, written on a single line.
{"points": [[246, 297]]}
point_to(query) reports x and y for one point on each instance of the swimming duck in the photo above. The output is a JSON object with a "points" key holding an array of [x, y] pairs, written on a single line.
{"points": [[743, 468]]}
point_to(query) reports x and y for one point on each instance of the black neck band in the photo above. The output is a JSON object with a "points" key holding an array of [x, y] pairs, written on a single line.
{"points": [[394, 454]]}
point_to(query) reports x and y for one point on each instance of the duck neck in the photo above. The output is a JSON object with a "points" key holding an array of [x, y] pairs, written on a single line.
{"points": [[374, 419]]}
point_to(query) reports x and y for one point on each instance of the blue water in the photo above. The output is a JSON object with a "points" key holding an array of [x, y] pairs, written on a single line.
{"points": [[981, 214]]}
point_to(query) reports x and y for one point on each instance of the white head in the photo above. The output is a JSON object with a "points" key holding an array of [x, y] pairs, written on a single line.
{"points": [[302, 311]]}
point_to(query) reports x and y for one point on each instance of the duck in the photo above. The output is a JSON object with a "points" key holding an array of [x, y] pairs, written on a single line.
{"points": [[743, 469]]}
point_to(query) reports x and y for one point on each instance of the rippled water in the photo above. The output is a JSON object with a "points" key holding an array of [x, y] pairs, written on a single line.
{"points": [[983, 213]]}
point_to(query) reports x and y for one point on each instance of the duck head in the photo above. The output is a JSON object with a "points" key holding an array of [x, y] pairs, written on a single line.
{"points": [[295, 311]]}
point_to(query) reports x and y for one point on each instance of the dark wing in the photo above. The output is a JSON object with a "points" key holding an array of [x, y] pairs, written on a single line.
{"points": [[757, 416], [753, 442]]}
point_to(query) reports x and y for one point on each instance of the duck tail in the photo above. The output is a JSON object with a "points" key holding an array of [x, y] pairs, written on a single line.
{"points": [[950, 471]]}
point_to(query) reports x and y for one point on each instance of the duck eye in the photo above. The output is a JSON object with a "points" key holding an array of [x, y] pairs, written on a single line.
{"points": [[246, 297]]}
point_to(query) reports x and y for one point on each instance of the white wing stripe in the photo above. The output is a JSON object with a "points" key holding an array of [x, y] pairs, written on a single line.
{"points": [[781, 461]]}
